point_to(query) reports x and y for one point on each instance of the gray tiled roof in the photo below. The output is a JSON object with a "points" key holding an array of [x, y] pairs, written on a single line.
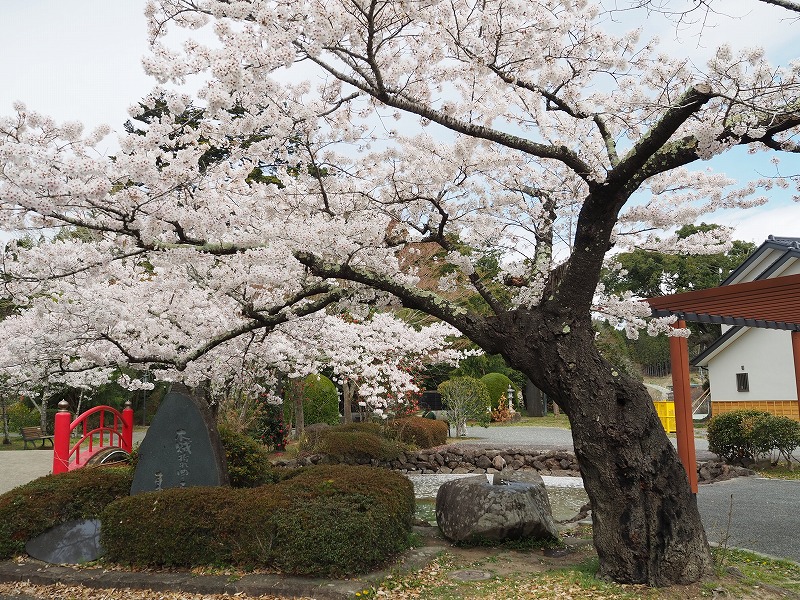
{"points": [[790, 247]]}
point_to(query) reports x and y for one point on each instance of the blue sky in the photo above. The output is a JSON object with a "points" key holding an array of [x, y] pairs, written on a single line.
{"points": [[80, 60]]}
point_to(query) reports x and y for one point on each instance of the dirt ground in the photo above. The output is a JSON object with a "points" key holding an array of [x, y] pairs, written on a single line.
{"points": [[437, 570]]}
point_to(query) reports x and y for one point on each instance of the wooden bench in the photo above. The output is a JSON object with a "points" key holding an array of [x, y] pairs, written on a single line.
{"points": [[31, 434]]}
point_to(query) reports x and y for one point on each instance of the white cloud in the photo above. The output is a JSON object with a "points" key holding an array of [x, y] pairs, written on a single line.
{"points": [[754, 225]]}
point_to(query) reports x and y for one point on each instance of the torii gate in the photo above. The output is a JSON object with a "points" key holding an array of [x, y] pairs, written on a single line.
{"points": [[767, 303]]}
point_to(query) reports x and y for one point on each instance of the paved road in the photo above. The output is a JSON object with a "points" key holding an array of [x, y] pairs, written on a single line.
{"points": [[553, 437], [765, 516], [21, 466]]}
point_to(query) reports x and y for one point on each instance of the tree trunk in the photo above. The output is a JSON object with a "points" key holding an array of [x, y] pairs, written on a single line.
{"points": [[347, 399], [3, 405], [42, 408], [646, 524], [299, 418]]}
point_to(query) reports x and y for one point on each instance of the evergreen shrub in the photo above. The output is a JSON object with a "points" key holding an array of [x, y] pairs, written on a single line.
{"points": [[20, 415], [421, 432], [357, 446], [320, 401], [309, 441], [743, 436], [31, 509], [497, 385], [272, 429], [324, 520], [728, 435], [370, 428], [248, 460], [351, 442], [785, 436]]}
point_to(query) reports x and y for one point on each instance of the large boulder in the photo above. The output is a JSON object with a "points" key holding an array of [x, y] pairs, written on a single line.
{"points": [[474, 510]]}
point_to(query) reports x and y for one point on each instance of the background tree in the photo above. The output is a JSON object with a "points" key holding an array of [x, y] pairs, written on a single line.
{"points": [[647, 273], [465, 398]]}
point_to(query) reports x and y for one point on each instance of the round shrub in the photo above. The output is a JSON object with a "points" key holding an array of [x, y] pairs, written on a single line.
{"points": [[497, 385], [785, 436], [371, 428], [331, 520], [31, 509], [357, 446], [313, 434], [730, 435], [421, 432], [248, 460]]}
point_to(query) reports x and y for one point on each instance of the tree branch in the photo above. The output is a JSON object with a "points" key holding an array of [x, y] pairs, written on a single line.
{"points": [[411, 297], [658, 136], [396, 99]]}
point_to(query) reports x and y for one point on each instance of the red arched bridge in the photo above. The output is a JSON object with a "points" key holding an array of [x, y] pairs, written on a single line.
{"points": [[111, 431]]}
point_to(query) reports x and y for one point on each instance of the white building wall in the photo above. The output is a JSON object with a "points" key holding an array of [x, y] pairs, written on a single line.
{"points": [[766, 355]]}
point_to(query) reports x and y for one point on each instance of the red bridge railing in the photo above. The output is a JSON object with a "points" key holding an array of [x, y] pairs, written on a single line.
{"points": [[115, 430]]}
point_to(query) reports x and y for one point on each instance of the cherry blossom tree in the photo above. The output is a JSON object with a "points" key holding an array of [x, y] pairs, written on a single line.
{"points": [[430, 137], [66, 342], [373, 357]]}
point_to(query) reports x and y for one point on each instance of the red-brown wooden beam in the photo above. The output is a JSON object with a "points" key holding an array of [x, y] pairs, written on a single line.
{"points": [[682, 397], [768, 303]]}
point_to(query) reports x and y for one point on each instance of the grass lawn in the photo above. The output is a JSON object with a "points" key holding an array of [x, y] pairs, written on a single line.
{"points": [[550, 420], [18, 444], [778, 471]]}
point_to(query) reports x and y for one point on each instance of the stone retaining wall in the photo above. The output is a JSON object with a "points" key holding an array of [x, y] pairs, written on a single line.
{"points": [[458, 459], [463, 460]]}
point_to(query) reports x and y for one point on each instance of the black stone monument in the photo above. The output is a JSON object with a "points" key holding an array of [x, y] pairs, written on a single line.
{"points": [[71, 542], [182, 446]]}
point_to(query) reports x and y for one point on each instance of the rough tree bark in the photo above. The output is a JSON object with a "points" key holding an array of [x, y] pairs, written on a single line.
{"points": [[348, 391], [647, 527]]}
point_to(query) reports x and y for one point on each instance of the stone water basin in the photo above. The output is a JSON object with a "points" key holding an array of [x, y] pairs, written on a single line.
{"points": [[566, 494]]}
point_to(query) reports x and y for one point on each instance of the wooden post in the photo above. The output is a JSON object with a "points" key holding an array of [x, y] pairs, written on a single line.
{"points": [[796, 355], [127, 427], [61, 439], [682, 396]]}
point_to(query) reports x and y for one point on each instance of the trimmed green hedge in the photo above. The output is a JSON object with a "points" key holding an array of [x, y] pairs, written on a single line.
{"points": [[421, 432], [356, 446], [31, 509], [743, 436], [497, 385], [248, 460], [352, 443], [324, 520]]}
